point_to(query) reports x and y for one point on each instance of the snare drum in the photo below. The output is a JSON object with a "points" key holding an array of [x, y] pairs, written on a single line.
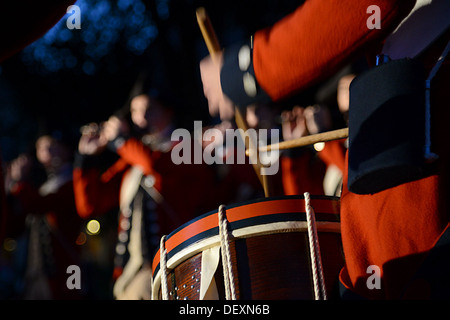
{"points": [[269, 249]]}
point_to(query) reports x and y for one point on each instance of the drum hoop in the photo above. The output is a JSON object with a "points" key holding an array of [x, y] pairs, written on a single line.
{"points": [[275, 210]]}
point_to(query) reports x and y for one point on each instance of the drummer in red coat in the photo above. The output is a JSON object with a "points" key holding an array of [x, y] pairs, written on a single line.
{"points": [[301, 168], [46, 213], [401, 231], [317, 169]]}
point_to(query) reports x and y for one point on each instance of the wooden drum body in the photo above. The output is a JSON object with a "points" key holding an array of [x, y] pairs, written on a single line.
{"points": [[269, 249]]}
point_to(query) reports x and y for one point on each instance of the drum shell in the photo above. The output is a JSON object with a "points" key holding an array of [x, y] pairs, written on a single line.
{"points": [[270, 266]]}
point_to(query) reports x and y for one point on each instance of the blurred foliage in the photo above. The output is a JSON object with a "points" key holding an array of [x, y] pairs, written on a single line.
{"points": [[73, 76], [106, 27]]}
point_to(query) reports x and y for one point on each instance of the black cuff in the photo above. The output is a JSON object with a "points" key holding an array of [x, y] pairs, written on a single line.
{"points": [[115, 144], [238, 76]]}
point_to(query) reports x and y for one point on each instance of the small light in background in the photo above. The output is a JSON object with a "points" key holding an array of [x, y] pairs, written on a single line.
{"points": [[93, 227], [10, 244], [319, 146]]}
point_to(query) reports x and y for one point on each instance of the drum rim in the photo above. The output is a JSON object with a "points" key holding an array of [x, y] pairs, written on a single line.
{"points": [[173, 247]]}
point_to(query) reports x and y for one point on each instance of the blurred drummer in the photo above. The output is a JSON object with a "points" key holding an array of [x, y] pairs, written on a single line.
{"points": [[155, 196], [302, 169], [43, 213]]}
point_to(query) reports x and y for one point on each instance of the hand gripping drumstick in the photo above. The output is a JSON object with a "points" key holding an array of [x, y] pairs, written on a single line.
{"points": [[213, 47]]}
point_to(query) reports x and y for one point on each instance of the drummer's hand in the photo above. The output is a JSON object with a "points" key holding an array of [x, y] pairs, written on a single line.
{"points": [[91, 142], [318, 119], [113, 128], [218, 102], [20, 168], [293, 124]]}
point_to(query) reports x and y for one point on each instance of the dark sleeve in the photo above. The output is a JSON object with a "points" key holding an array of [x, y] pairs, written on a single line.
{"points": [[238, 76]]}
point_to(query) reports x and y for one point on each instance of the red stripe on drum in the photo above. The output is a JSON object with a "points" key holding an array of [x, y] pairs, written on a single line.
{"points": [[321, 204]]}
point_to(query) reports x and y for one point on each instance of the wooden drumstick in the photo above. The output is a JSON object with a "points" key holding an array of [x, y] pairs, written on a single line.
{"points": [[308, 140], [208, 32], [213, 46]]}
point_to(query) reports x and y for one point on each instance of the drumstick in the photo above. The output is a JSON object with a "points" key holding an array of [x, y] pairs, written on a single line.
{"points": [[214, 47], [208, 32], [308, 140]]}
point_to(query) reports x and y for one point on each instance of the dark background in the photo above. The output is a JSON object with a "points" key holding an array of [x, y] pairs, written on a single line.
{"points": [[71, 77]]}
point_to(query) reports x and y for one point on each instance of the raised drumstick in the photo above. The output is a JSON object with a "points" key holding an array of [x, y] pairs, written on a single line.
{"points": [[214, 47]]}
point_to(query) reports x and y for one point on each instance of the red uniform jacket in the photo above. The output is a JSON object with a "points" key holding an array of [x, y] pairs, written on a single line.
{"points": [[397, 228], [302, 172], [305, 171], [334, 154]]}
